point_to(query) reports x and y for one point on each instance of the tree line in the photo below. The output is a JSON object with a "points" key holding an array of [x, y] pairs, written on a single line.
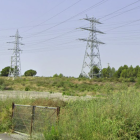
{"points": [[5, 72], [123, 71]]}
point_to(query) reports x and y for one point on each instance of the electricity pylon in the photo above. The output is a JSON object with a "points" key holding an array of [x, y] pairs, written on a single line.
{"points": [[92, 55], [15, 69]]}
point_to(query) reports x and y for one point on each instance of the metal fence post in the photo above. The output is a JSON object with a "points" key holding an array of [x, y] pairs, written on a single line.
{"points": [[32, 119], [58, 112], [13, 106]]}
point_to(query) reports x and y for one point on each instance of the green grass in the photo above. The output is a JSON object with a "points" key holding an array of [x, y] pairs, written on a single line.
{"points": [[112, 118], [6, 109], [116, 116], [113, 115], [67, 86]]}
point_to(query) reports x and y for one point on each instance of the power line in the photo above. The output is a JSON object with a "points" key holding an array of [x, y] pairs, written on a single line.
{"points": [[55, 15], [120, 9], [93, 6], [135, 8], [123, 25], [48, 11]]}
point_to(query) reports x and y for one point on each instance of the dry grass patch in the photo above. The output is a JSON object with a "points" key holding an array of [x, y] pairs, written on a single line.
{"points": [[49, 102]]}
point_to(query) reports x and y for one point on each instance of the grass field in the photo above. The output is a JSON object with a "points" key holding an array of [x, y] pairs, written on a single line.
{"points": [[116, 116], [68, 86]]}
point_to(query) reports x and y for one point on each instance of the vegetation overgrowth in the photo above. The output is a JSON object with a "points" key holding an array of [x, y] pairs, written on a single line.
{"points": [[114, 117], [69, 85]]}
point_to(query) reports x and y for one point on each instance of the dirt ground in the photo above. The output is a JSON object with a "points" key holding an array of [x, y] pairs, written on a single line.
{"points": [[13, 136]]}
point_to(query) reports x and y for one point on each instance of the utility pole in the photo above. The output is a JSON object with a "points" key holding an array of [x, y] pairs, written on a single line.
{"points": [[92, 54], [15, 69], [108, 64], [109, 70]]}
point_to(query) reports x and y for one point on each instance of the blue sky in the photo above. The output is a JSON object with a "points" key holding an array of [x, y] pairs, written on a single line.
{"points": [[50, 34]]}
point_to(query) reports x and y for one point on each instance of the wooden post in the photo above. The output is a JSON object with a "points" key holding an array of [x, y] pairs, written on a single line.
{"points": [[58, 112], [13, 106], [32, 119]]}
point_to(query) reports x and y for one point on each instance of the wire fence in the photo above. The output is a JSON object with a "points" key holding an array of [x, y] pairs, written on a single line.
{"points": [[30, 120]]}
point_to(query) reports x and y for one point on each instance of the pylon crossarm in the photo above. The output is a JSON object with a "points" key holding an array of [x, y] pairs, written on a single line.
{"points": [[92, 30], [90, 40], [92, 20]]}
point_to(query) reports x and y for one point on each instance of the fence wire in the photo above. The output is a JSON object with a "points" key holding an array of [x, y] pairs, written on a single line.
{"points": [[44, 118], [33, 119]]}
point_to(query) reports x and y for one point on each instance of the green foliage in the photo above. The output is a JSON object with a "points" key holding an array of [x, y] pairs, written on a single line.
{"points": [[52, 134], [127, 72], [132, 79], [67, 93], [2, 84], [27, 88], [2, 87], [1, 81], [30, 73], [94, 72], [115, 117], [138, 74], [60, 75], [138, 82], [5, 71], [105, 72], [124, 73], [55, 75]]}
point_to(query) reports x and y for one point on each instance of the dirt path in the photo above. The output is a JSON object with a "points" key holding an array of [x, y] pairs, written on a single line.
{"points": [[34, 94], [13, 136]]}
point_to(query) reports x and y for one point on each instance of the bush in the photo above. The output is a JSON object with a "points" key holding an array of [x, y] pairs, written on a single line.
{"points": [[55, 75], [1, 81], [27, 88], [67, 93], [2, 87], [61, 75], [132, 79]]}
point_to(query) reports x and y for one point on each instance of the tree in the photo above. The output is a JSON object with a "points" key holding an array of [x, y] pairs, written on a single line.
{"points": [[60, 75], [55, 75], [138, 74], [119, 71], [30, 72], [105, 72], [136, 70], [5, 71], [113, 71], [130, 72], [124, 73], [94, 72]]}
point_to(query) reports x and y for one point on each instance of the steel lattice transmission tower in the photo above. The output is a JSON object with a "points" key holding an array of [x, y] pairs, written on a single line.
{"points": [[15, 69], [92, 54]]}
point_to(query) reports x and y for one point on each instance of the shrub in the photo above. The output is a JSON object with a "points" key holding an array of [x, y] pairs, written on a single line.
{"points": [[2, 87], [1, 81], [27, 88], [61, 75], [132, 79], [66, 93], [55, 75]]}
